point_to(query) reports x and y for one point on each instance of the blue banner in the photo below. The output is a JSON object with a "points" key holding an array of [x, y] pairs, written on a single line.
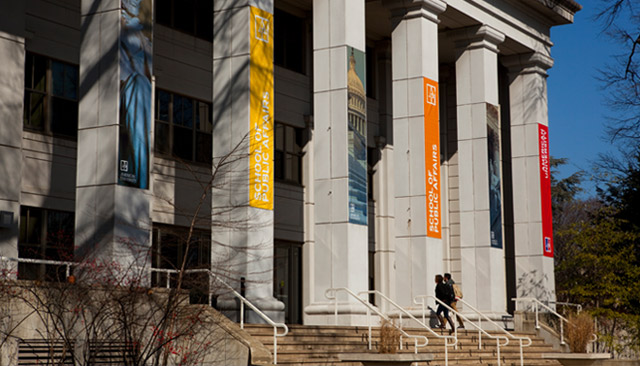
{"points": [[135, 43]]}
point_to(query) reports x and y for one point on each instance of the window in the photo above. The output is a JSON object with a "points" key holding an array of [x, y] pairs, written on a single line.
{"points": [[50, 96], [289, 34], [194, 17], [288, 159], [170, 251], [45, 234], [183, 127]]}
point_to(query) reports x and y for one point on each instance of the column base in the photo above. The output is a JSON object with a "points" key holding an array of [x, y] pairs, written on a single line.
{"points": [[271, 307], [349, 314]]}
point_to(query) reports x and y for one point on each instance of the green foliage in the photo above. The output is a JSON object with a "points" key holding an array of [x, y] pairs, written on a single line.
{"points": [[599, 267], [623, 191], [599, 270], [597, 258], [564, 190]]}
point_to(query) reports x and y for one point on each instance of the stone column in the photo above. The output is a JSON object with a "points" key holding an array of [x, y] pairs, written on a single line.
{"points": [[528, 112], [308, 249], [384, 180], [340, 173], [416, 141], [242, 192], [113, 222], [481, 240], [12, 56]]}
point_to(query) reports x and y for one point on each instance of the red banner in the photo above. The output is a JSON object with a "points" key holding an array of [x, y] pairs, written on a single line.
{"points": [[545, 191]]}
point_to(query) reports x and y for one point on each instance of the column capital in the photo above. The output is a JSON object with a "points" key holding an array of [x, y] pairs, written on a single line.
{"points": [[477, 36], [528, 63], [408, 9]]}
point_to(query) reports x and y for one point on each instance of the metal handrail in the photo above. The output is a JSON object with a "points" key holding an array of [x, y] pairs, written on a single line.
{"points": [[497, 326], [169, 272], [422, 323], [67, 264], [331, 295], [563, 303], [538, 303], [243, 302], [477, 326]]}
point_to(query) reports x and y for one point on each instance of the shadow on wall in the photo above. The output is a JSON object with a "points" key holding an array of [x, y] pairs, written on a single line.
{"points": [[535, 284]]}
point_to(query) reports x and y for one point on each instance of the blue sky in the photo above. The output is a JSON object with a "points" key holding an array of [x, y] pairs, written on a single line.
{"points": [[577, 113]]}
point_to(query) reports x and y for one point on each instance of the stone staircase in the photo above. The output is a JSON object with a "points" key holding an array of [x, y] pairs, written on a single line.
{"points": [[321, 346]]}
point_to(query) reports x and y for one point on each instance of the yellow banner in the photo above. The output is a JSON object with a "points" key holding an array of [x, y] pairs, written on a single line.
{"points": [[261, 104], [432, 158]]}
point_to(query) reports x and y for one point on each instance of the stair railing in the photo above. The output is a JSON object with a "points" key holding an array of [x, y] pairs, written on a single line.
{"points": [[66, 264], [243, 302], [331, 295], [421, 323], [537, 304], [420, 300], [564, 303], [501, 329]]}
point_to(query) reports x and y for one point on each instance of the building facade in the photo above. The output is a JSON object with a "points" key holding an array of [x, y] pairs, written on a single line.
{"points": [[311, 144]]}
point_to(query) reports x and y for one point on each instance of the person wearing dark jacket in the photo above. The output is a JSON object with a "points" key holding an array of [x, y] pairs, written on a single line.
{"points": [[444, 294], [454, 304]]}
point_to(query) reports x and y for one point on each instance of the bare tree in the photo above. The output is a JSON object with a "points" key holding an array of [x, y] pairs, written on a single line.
{"points": [[102, 312], [621, 21]]}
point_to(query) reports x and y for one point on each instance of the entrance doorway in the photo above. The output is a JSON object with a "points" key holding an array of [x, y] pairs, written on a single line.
{"points": [[287, 279]]}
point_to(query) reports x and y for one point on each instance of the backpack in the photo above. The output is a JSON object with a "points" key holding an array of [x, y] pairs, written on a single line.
{"points": [[457, 291]]}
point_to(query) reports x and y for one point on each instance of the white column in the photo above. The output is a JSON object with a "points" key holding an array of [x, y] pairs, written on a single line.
{"points": [[308, 249], [112, 221], [414, 43], [528, 109], [340, 252], [242, 194], [12, 56], [482, 248], [384, 180]]}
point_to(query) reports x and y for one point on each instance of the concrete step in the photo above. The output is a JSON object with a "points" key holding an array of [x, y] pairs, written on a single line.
{"points": [[436, 362], [321, 345], [357, 341], [376, 335], [337, 348]]}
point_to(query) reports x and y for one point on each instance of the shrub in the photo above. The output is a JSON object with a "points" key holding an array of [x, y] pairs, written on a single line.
{"points": [[579, 332], [389, 337]]}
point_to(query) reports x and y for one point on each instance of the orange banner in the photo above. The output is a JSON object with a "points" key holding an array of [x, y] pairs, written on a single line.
{"points": [[432, 158]]}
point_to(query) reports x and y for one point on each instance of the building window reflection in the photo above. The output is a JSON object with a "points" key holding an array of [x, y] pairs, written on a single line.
{"points": [[194, 17], [45, 234], [183, 127], [289, 45], [173, 249], [50, 96], [288, 149]]}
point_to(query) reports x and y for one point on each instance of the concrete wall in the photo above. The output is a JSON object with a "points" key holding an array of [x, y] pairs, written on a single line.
{"points": [[293, 106], [12, 44], [49, 163]]}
